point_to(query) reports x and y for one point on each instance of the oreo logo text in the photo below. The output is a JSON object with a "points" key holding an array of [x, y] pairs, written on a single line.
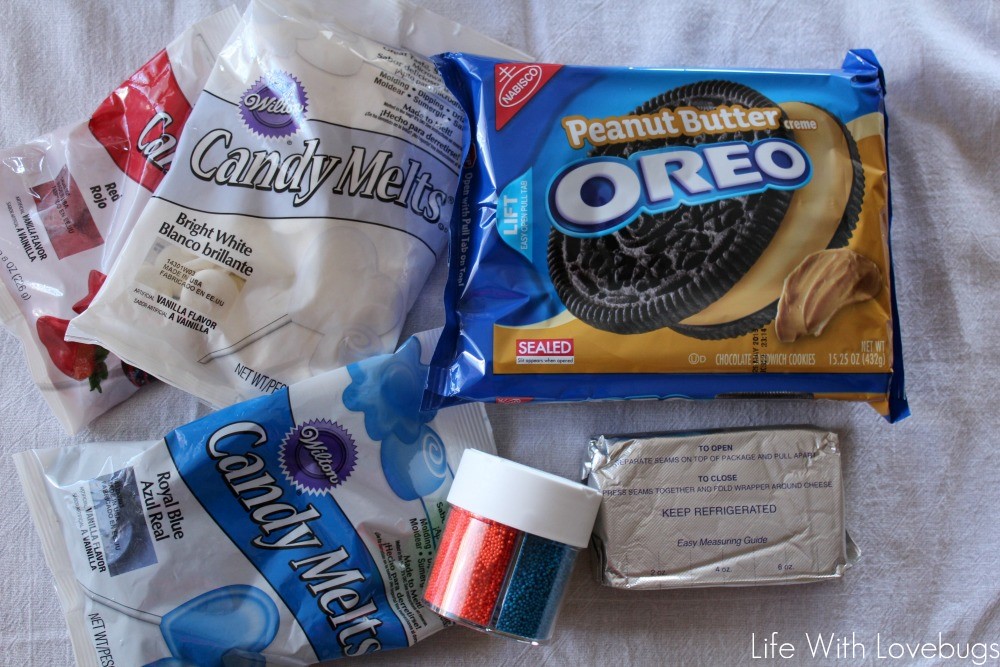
{"points": [[599, 195]]}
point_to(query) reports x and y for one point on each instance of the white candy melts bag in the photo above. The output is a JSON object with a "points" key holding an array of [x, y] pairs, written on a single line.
{"points": [[309, 201], [286, 530], [69, 200]]}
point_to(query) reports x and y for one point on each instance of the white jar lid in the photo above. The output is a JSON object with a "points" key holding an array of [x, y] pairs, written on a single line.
{"points": [[524, 498]]}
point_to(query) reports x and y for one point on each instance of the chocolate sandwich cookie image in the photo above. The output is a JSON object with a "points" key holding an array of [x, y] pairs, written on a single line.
{"points": [[822, 215], [664, 267], [714, 270]]}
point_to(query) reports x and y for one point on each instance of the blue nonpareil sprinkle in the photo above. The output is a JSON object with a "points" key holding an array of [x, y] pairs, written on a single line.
{"points": [[534, 592]]}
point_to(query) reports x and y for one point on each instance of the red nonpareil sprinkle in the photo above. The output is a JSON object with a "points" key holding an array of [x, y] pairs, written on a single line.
{"points": [[437, 591], [471, 566]]}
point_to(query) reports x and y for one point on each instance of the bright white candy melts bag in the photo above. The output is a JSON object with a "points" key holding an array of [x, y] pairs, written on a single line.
{"points": [[309, 200], [69, 200], [288, 529]]}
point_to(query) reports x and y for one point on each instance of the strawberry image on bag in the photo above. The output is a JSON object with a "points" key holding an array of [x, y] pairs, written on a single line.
{"points": [[80, 361]]}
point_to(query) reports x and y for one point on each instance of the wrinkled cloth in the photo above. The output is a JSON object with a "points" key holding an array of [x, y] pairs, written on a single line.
{"points": [[922, 495]]}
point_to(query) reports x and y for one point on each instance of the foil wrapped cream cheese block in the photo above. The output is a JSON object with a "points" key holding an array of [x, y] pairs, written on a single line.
{"points": [[719, 508]]}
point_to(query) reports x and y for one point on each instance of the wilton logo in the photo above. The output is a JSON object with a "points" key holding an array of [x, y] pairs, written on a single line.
{"points": [[275, 105], [317, 456]]}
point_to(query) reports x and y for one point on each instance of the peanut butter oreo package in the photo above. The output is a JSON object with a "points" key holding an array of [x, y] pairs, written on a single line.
{"points": [[655, 233]]}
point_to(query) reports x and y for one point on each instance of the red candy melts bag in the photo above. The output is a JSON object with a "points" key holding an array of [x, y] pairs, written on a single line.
{"points": [[68, 201]]}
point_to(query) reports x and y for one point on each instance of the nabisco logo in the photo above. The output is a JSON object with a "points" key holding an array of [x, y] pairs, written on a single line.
{"points": [[517, 81], [515, 84]]}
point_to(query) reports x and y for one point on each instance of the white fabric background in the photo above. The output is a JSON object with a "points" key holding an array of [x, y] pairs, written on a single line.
{"points": [[922, 496]]}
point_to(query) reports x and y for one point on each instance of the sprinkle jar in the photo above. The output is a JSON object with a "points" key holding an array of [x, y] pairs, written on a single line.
{"points": [[509, 543]]}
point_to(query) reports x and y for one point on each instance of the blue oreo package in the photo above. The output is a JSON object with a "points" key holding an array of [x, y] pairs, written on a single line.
{"points": [[656, 233], [286, 530]]}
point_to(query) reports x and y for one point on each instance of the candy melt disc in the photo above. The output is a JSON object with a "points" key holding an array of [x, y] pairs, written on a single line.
{"points": [[173, 255], [379, 304], [280, 36], [332, 273], [210, 625], [151, 277], [209, 289], [342, 347], [332, 53], [199, 264]]}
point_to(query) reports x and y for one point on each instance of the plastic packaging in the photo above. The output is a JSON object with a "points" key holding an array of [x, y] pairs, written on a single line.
{"points": [[70, 200], [509, 544], [292, 528], [313, 199], [658, 233]]}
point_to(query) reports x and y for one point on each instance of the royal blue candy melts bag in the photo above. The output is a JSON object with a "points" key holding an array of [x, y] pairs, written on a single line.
{"points": [[290, 529]]}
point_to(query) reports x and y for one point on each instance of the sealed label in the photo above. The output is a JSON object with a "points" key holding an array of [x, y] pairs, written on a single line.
{"points": [[721, 508]]}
